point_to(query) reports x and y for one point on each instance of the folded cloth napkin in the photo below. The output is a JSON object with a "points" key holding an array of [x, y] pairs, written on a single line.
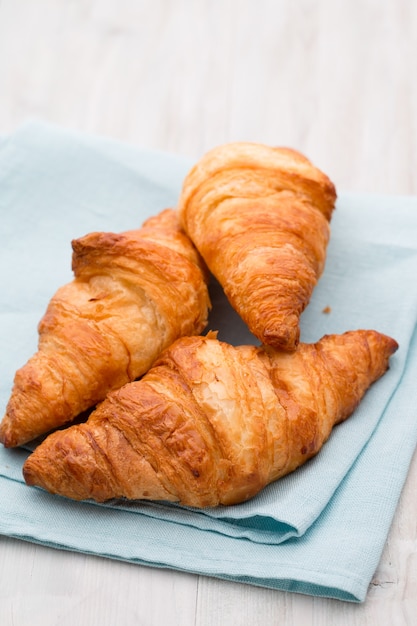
{"points": [[320, 530]]}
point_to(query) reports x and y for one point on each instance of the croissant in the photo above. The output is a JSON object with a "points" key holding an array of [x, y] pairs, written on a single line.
{"points": [[133, 294], [211, 423], [260, 217]]}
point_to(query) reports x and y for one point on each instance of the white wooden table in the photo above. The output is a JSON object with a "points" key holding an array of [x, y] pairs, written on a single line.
{"points": [[334, 79]]}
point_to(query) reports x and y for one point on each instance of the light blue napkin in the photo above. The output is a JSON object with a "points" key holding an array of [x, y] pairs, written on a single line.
{"points": [[320, 530]]}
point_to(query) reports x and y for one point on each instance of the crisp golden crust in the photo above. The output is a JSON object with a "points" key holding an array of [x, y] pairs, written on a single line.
{"points": [[210, 423], [260, 216], [133, 294]]}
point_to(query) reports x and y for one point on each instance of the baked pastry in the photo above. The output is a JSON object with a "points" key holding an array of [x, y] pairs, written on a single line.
{"points": [[211, 423], [133, 294], [259, 217]]}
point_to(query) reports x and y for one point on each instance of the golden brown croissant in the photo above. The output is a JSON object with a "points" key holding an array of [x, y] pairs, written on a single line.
{"points": [[133, 294], [260, 216], [210, 423]]}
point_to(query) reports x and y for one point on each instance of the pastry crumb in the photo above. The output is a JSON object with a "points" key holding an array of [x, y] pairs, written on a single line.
{"points": [[327, 309]]}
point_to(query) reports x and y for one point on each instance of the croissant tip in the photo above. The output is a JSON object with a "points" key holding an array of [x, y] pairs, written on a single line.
{"points": [[34, 475], [394, 345], [12, 433], [7, 439], [280, 340], [391, 345], [28, 475]]}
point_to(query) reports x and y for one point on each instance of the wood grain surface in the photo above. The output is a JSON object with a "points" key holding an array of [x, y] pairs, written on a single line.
{"points": [[336, 80]]}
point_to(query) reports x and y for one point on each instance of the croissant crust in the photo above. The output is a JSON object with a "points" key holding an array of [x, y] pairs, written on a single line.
{"points": [[260, 217], [132, 295], [210, 423]]}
